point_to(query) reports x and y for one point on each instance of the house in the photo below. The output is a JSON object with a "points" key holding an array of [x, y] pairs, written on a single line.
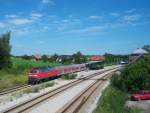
{"points": [[37, 57], [97, 58], [136, 54]]}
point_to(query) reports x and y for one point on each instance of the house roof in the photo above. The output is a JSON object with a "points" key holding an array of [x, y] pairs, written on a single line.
{"points": [[97, 58], [37, 56], [140, 51]]}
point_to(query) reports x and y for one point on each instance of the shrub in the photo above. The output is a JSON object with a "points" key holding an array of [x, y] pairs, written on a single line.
{"points": [[135, 76], [69, 76], [48, 84], [35, 89], [38, 87], [5, 49], [113, 101]]}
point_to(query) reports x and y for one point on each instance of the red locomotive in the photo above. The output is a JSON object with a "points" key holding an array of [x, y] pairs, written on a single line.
{"points": [[37, 75]]}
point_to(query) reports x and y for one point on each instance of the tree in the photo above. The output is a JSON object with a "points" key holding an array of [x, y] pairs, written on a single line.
{"points": [[45, 58], [113, 59], [79, 58], [147, 48], [134, 76], [5, 49], [54, 57], [66, 59], [26, 57]]}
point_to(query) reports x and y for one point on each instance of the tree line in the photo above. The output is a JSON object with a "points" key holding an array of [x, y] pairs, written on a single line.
{"points": [[115, 59], [5, 49], [76, 58]]}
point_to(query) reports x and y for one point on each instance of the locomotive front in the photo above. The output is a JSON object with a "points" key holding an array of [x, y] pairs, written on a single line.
{"points": [[33, 76]]}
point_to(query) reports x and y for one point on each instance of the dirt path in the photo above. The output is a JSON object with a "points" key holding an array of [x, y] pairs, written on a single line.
{"points": [[144, 105]]}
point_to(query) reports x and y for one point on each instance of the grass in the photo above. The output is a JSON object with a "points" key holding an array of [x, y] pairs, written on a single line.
{"points": [[21, 65], [69, 76], [107, 64], [39, 87], [33, 89], [113, 101], [18, 74], [10, 80], [31, 63]]}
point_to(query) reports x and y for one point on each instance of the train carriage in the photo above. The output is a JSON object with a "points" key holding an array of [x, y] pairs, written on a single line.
{"points": [[37, 75]]}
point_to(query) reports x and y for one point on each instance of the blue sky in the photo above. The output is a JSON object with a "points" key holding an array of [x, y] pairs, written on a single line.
{"points": [[68, 26]]}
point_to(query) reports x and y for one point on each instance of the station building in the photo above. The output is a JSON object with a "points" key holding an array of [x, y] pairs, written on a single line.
{"points": [[96, 62], [136, 54]]}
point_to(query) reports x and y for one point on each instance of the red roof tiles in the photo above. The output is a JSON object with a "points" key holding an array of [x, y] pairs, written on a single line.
{"points": [[97, 58]]}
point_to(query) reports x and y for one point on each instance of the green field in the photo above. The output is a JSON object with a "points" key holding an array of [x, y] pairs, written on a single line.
{"points": [[18, 73], [22, 63]]}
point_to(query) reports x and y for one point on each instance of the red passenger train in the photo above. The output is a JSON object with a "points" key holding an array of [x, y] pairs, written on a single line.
{"points": [[37, 75]]}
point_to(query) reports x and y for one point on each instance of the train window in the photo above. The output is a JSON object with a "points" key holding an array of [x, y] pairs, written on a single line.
{"points": [[82, 67], [34, 71], [43, 69]]}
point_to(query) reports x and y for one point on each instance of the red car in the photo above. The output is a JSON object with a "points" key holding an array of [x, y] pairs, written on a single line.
{"points": [[143, 95]]}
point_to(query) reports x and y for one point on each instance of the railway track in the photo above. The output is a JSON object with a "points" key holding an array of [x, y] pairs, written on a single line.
{"points": [[77, 103], [13, 89], [25, 106]]}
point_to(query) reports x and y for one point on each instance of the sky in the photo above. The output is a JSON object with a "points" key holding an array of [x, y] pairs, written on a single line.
{"points": [[68, 26]]}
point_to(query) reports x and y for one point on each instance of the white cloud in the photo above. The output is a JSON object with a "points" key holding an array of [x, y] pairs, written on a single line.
{"points": [[44, 4], [35, 15], [89, 29], [131, 17], [24, 30], [99, 28], [96, 17], [41, 42], [48, 2], [20, 21], [65, 20], [11, 16], [130, 10], [115, 14], [2, 25]]}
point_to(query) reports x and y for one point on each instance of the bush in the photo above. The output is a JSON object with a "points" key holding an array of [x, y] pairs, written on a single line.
{"points": [[135, 76], [5, 49], [48, 84], [10, 80], [37, 88], [69, 76], [113, 101]]}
